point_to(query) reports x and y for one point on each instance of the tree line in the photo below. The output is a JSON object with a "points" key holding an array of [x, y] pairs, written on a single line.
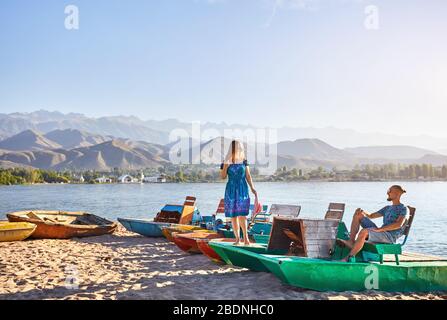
{"points": [[180, 174]]}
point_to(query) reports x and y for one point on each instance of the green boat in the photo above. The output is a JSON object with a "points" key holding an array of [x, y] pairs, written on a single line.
{"points": [[376, 267], [234, 255], [331, 275]]}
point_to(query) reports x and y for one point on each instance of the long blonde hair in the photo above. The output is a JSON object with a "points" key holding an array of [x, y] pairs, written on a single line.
{"points": [[236, 151]]}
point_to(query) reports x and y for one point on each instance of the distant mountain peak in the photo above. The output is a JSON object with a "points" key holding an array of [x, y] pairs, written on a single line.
{"points": [[28, 140]]}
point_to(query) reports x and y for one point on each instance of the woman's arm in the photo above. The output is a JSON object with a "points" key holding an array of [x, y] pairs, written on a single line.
{"points": [[223, 171], [250, 180]]}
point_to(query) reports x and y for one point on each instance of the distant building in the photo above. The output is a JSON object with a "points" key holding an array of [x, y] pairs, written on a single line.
{"points": [[78, 179], [127, 179], [103, 179], [155, 179]]}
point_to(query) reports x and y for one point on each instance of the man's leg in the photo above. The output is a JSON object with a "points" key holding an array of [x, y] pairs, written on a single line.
{"points": [[358, 244], [355, 225]]}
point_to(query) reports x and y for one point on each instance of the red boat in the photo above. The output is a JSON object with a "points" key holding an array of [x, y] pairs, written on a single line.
{"points": [[203, 245], [188, 241]]}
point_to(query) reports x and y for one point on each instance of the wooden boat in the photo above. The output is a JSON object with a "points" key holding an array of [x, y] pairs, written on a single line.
{"points": [[63, 225], [235, 255], [15, 231], [179, 228], [188, 241], [144, 227], [206, 250], [263, 226], [169, 215], [420, 274], [310, 263]]}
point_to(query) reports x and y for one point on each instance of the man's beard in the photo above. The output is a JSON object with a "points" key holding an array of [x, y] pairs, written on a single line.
{"points": [[389, 199]]}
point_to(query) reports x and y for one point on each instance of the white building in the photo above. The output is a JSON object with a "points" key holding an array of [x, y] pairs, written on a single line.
{"points": [[156, 179], [103, 179], [127, 179]]}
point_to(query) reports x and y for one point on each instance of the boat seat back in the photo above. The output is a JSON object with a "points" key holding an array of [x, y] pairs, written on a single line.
{"points": [[190, 201], [187, 215], [409, 222], [285, 210], [335, 211], [312, 238]]}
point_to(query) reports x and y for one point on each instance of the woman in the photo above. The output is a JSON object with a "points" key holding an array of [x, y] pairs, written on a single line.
{"points": [[237, 198]]}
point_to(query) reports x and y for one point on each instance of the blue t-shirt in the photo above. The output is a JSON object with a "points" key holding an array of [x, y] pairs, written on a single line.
{"points": [[391, 214]]}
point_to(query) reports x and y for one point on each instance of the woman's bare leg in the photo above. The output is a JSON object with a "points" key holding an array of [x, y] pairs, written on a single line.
{"points": [[236, 229], [243, 225]]}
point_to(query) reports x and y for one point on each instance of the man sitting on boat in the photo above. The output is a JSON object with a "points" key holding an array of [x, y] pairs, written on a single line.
{"points": [[391, 230]]}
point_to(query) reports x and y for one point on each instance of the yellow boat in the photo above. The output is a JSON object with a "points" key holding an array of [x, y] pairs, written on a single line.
{"points": [[169, 231], [15, 231]]}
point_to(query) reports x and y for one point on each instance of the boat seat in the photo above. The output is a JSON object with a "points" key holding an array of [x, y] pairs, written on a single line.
{"points": [[376, 251], [32, 215]]}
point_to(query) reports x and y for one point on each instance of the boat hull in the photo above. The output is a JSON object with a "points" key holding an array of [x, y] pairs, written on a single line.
{"points": [[206, 250], [188, 241], [323, 275], [236, 255], [54, 230], [15, 231], [143, 227]]}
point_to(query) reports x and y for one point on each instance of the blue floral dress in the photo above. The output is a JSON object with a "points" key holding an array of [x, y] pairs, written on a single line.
{"points": [[237, 198]]}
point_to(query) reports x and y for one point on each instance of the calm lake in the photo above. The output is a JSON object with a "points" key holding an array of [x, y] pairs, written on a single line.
{"points": [[428, 234]]}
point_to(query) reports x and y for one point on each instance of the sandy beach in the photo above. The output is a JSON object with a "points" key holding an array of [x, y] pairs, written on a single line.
{"points": [[128, 266]]}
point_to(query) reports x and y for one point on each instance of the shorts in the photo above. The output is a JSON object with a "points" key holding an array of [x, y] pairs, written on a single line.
{"points": [[376, 237]]}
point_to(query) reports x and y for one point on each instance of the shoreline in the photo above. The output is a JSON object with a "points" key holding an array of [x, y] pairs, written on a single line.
{"points": [[128, 266], [217, 182]]}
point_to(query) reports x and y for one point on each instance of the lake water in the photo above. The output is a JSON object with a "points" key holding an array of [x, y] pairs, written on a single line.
{"points": [[428, 234]]}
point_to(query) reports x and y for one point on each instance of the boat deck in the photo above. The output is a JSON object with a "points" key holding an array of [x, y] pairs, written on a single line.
{"points": [[413, 257]]}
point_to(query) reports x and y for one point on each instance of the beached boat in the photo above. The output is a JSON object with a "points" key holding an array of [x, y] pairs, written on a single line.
{"points": [[188, 241], [206, 250], [169, 215], [15, 231], [179, 228], [417, 273], [144, 227], [235, 255], [63, 225]]}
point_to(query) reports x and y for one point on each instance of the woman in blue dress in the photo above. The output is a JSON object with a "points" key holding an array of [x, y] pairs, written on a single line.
{"points": [[237, 198]]}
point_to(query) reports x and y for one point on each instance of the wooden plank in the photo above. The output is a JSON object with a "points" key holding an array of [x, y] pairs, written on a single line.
{"points": [[319, 222], [336, 206], [336, 215], [285, 210]]}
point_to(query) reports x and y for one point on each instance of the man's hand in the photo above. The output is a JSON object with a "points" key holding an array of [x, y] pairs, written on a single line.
{"points": [[376, 229]]}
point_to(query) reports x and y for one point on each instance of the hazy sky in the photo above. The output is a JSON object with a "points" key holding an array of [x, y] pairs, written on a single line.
{"points": [[264, 62]]}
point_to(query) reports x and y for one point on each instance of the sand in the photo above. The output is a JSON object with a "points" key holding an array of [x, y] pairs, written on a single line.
{"points": [[128, 266]]}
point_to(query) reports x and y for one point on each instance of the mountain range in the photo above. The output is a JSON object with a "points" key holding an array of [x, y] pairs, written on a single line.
{"points": [[157, 131], [80, 150]]}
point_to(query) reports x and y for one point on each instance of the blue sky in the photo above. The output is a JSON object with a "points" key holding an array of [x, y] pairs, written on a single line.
{"points": [[264, 62]]}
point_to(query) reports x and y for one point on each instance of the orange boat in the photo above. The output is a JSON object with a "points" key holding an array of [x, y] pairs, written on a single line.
{"points": [[188, 241], [204, 247], [63, 225]]}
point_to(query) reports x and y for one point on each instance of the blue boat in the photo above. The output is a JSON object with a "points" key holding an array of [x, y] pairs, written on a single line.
{"points": [[168, 216], [144, 227]]}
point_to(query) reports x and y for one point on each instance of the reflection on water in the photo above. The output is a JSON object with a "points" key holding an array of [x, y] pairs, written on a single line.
{"points": [[429, 233]]}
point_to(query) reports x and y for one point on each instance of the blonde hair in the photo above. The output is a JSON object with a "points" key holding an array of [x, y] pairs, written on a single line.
{"points": [[236, 151]]}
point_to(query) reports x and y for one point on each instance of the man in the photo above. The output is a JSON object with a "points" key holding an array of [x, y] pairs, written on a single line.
{"points": [[391, 230]]}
